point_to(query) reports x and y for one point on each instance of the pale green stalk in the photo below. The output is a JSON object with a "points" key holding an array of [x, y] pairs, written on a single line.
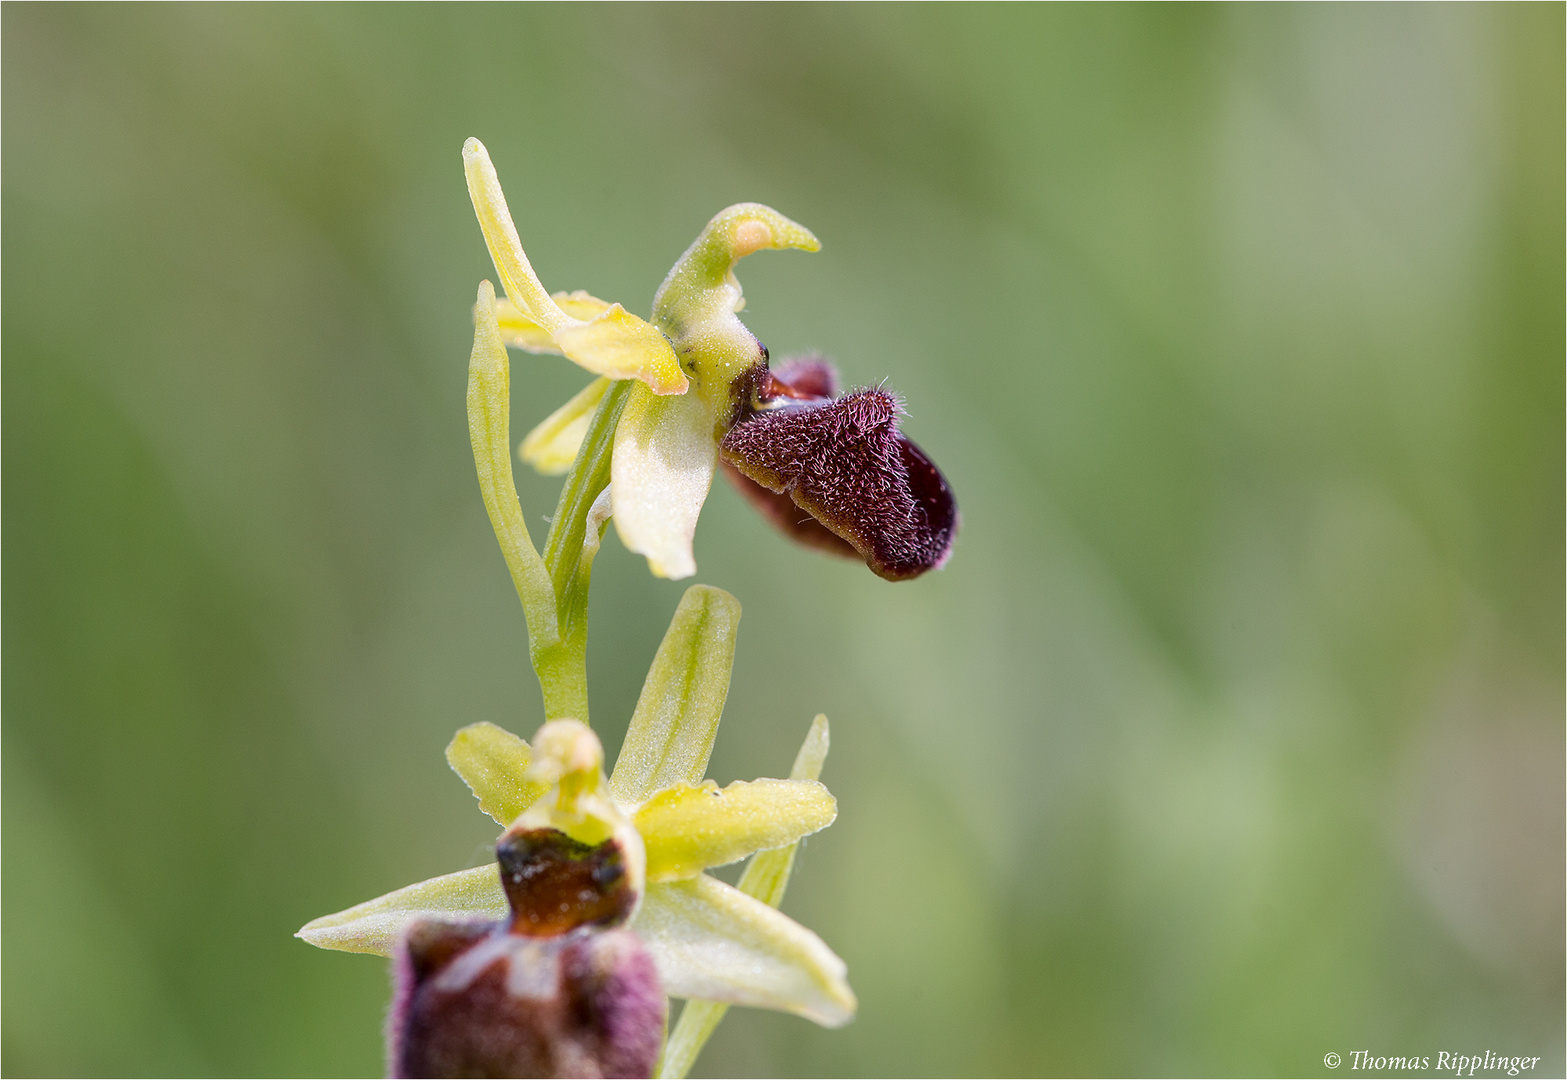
{"points": [[553, 588], [562, 666], [766, 877]]}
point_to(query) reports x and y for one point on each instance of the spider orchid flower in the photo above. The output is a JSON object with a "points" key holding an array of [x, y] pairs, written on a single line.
{"points": [[583, 857], [702, 377]]}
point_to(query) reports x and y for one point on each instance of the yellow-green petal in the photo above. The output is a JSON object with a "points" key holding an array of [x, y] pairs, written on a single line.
{"points": [[552, 446], [618, 344], [666, 449], [672, 730], [521, 332], [494, 764], [712, 941], [580, 304], [688, 828], [373, 927]]}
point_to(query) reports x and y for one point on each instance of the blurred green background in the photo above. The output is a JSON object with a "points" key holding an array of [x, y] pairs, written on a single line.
{"points": [[1233, 733]]}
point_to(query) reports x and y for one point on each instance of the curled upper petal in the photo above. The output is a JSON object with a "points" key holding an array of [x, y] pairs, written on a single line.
{"points": [[665, 453], [697, 303], [712, 941], [688, 828], [373, 926], [701, 286]]}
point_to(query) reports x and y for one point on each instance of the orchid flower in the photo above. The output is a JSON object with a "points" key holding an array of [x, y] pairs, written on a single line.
{"points": [[702, 383], [707, 940]]}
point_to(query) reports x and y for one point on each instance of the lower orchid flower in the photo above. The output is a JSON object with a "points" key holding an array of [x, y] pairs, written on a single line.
{"points": [[703, 387], [607, 878]]}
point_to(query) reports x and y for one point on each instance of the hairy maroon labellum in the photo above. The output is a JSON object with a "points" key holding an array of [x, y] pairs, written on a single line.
{"points": [[865, 488], [559, 989]]}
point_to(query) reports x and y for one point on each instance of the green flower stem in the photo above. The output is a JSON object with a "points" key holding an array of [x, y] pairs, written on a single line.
{"points": [[766, 877], [560, 660]]}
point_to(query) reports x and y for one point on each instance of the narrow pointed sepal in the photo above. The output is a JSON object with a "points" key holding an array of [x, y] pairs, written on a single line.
{"points": [[489, 419], [522, 285], [712, 941], [676, 720], [611, 342], [374, 926]]}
